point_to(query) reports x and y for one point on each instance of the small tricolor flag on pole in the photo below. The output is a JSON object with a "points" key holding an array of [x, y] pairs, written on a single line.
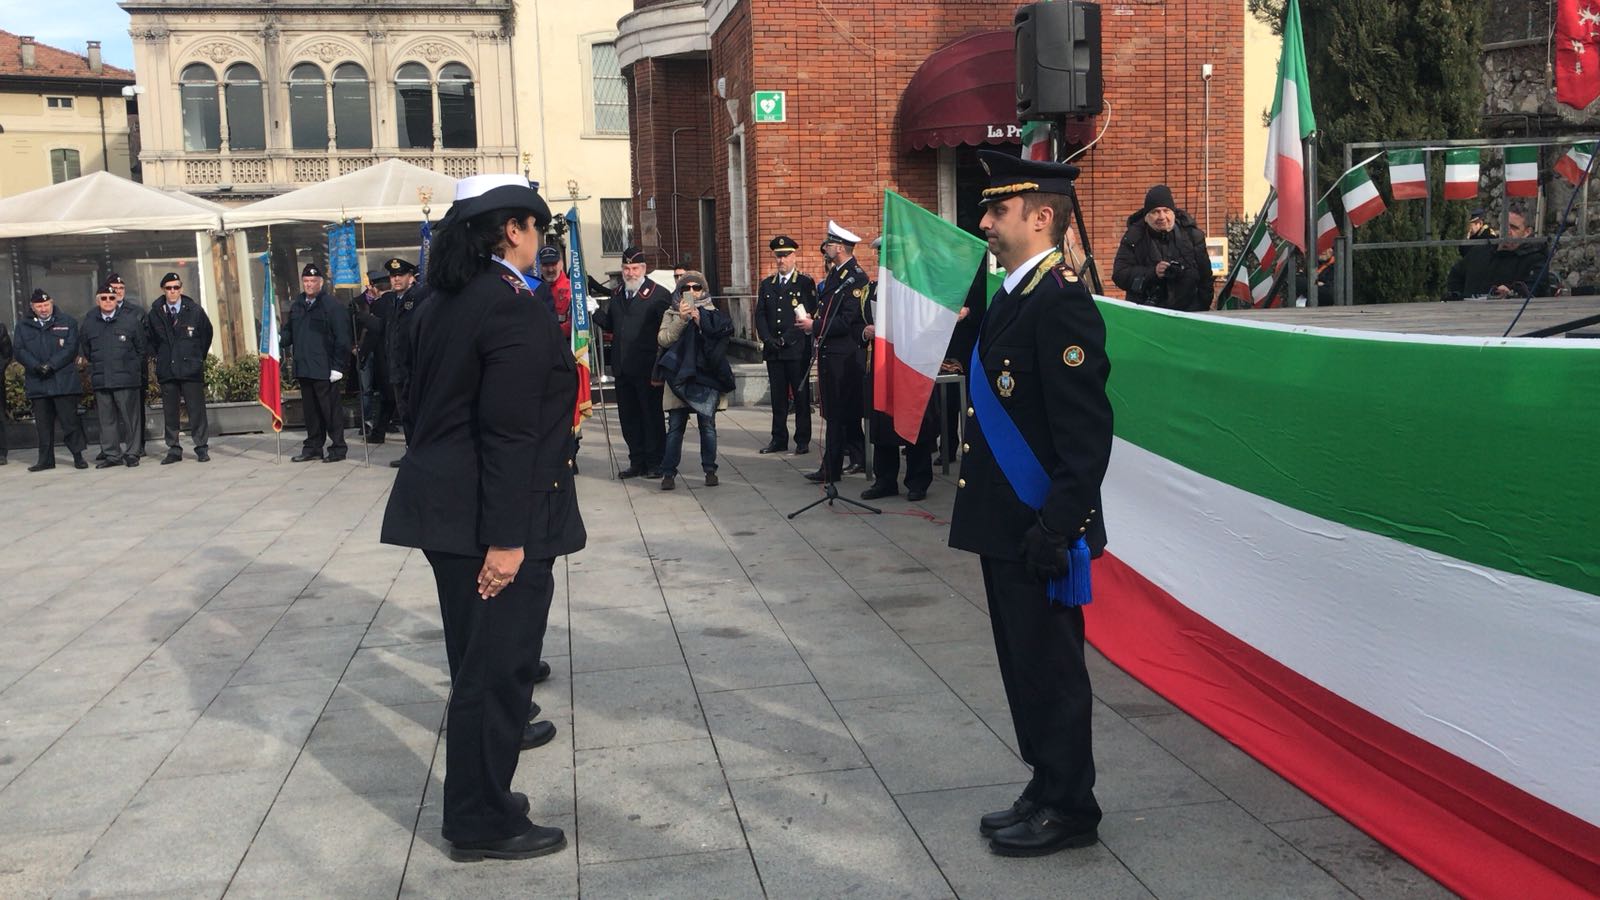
{"points": [[1036, 141], [1575, 163], [1327, 227], [1522, 171], [1408, 177], [270, 391], [1461, 174], [1359, 196], [1291, 122], [925, 270]]}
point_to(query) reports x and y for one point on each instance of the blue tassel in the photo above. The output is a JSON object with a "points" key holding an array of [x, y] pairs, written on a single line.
{"points": [[1075, 589]]}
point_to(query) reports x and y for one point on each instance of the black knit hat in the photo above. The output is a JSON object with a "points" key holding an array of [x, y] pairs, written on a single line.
{"points": [[1158, 197]]}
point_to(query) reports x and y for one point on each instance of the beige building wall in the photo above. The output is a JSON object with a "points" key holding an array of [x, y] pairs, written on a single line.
{"points": [[1261, 48], [32, 130], [553, 48]]}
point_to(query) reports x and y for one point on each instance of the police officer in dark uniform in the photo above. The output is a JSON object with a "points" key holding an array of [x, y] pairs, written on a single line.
{"points": [[47, 348], [319, 335], [1041, 377], [633, 316], [178, 334], [839, 330], [786, 295], [384, 347]]}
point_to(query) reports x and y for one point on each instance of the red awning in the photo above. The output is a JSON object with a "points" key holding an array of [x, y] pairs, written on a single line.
{"points": [[965, 93]]}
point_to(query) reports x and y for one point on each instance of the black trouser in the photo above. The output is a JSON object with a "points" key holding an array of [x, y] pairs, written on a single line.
{"points": [[491, 673], [3, 450], [194, 400], [786, 377], [1040, 647], [385, 414], [319, 398], [116, 411], [136, 440], [842, 382], [886, 446], [643, 428], [46, 410]]}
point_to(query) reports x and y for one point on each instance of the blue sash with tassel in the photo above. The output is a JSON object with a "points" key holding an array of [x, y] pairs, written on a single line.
{"points": [[1028, 479]]}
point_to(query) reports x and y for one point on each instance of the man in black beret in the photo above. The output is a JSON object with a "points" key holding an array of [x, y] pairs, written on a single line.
{"points": [[131, 306], [319, 335], [112, 340], [47, 348], [786, 297], [1028, 499], [633, 316], [178, 333]]}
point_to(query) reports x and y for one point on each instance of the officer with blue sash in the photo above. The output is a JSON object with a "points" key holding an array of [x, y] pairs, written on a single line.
{"points": [[1028, 498]]}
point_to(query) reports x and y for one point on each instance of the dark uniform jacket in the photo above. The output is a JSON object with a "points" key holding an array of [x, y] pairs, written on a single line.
{"points": [[1051, 342], [52, 343], [842, 310], [488, 460], [384, 329], [179, 346], [634, 323], [1485, 266], [319, 334], [1135, 267], [115, 349], [5, 346], [775, 312]]}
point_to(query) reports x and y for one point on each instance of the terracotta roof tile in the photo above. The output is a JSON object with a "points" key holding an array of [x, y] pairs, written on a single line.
{"points": [[51, 62]]}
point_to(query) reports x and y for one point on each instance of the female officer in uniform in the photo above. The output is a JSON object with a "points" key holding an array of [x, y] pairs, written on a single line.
{"points": [[485, 490]]}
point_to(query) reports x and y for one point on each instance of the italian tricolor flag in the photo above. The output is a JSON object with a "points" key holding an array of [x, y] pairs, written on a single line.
{"points": [[925, 269], [1522, 171], [1292, 121], [1409, 636], [1461, 174], [1575, 163], [1359, 196], [1036, 141], [269, 387], [1327, 227], [1408, 177]]}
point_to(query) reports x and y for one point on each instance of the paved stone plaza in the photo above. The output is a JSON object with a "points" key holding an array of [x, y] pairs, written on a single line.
{"points": [[214, 680]]}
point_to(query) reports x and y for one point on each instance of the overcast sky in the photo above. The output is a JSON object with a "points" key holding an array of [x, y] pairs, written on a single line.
{"points": [[71, 24]]}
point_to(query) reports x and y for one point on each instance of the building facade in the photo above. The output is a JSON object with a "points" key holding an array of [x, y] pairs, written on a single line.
{"points": [[713, 185], [62, 115], [243, 100]]}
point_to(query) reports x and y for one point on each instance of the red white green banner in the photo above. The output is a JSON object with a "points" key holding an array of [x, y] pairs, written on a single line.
{"points": [[1575, 163], [1291, 122], [1359, 196], [926, 266], [1406, 632], [1408, 176], [1461, 174]]}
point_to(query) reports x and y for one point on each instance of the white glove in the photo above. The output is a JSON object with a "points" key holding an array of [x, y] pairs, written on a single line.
{"points": [[335, 375]]}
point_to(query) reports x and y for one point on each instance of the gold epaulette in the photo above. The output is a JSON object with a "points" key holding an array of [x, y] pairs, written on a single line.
{"points": [[1049, 262]]}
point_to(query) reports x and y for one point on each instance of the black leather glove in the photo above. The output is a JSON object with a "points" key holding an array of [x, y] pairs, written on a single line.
{"points": [[1045, 552], [43, 371]]}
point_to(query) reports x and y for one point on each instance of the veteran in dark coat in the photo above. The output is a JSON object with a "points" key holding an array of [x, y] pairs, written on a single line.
{"points": [[486, 491], [319, 335], [47, 348], [112, 339], [132, 306], [1043, 367], [178, 335], [633, 316], [384, 340], [786, 297], [839, 329]]}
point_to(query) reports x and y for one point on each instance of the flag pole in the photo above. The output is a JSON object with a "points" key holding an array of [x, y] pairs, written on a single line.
{"points": [[1233, 274], [277, 453], [1309, 151]]}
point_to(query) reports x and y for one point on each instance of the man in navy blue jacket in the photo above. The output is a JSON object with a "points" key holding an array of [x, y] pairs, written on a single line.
{"points": [[47, 347]]}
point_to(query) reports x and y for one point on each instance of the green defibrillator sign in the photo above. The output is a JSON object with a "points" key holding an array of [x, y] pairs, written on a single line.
{"points": [[768, 106]]}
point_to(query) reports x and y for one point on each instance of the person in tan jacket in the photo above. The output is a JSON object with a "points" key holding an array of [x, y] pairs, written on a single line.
{"points": [[694, 367]]}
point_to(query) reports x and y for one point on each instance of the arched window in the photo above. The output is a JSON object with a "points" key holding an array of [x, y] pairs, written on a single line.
{"points": [[458, 111], [308, 108], [352, 108], [413, 92], [202, 119], [241, 94]]}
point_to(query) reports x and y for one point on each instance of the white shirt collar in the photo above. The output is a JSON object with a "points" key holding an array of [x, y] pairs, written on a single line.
{"points": [[1015, 277]]}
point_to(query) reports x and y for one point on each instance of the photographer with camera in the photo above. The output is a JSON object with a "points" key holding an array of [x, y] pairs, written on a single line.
{"points": [[1162, 260]]}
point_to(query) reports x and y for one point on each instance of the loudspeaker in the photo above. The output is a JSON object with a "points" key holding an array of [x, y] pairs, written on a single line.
{"points": [[1058, 60]]}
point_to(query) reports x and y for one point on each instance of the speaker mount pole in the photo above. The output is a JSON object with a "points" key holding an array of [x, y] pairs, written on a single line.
{"points": [[1057, 144]]}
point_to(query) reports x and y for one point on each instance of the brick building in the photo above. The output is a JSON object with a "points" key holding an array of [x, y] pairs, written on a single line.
{"points": [[711, 186]]}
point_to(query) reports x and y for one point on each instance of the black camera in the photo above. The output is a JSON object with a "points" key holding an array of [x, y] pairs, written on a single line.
{"points": [[1174, 266]]}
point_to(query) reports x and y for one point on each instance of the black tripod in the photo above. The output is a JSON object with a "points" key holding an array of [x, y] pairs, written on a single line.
{"points": [[830, 491]]}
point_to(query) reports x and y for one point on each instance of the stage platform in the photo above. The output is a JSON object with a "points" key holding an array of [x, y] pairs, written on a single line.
{"points": [[1468, 318]]}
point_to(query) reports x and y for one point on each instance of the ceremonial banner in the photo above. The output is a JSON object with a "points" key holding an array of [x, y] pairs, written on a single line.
{"points": [[1406, 634], [1292, 121], [1461, 174], [1408, 176], [578, 277], [1522, 171], [270, 390], [1577, 52], [422, 252], [344, 267], [1575, 162], [926, 267]]}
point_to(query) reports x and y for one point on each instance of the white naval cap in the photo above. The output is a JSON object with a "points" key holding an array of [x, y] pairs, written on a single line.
{"points": [[839, 234]]}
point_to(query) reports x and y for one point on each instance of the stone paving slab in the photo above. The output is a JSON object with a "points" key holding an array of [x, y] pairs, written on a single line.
{"points": [[243, 695]]}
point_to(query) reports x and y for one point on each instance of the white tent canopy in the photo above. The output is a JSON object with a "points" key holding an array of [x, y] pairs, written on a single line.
{"points": [[384, 192], [102, 203]]}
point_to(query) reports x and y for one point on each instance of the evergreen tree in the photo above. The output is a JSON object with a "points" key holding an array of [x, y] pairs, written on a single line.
{"points": [[1393, 70]]}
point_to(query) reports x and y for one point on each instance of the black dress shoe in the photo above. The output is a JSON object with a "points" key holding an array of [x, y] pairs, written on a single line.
{"points": [[668, 482], [394, 463], [1041, 834], [875, 491], [78, 462], [630, 472], [855, 469], [130, 461], [171, 458], [1005, 818], [41, 466], [305, 457], [537, 734], [918, 494], [772, 448], [543, 673], [654, 473], [533, 711], [538, 840], [374, 437], [814, 476], [333, 458], [201, 454], [802, 449], [108, 463], [100, 457], [712, 480]]}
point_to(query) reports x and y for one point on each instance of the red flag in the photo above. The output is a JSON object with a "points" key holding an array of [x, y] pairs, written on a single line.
{"points": [[1577, 52]]}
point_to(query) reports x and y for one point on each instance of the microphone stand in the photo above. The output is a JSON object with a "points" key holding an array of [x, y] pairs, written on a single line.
{"points": [[830, 490]]}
